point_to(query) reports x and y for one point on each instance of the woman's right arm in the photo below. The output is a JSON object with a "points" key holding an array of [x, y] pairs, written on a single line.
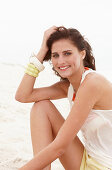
{"points": [[27, 93]]}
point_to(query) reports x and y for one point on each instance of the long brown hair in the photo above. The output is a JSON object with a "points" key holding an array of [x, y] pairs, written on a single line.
{"points": [[77, 39]]}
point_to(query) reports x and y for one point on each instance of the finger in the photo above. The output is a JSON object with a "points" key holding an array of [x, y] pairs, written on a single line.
{"points": [[53, 28]]}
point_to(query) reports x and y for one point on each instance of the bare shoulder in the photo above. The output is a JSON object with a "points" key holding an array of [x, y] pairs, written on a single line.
{"points": [[96, 78], [91, 86], [93, 79], [103, 87]]}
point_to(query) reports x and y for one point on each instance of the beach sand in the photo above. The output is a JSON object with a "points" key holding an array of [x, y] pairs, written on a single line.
{"points": [[15, 140]]}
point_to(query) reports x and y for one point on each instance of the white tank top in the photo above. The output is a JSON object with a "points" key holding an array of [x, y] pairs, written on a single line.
{"points": [[96, 131]]}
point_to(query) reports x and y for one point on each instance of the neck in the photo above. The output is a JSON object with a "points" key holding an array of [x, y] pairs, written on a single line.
{"points": [[76, 79]]}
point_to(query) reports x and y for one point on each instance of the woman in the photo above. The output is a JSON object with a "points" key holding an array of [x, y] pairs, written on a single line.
{"points": [[90, 96]]}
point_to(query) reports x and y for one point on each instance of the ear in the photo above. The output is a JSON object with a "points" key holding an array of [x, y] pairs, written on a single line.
{"points": [[83, 54]]}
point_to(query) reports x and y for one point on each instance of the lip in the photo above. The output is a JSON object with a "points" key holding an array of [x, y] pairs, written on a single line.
{"points": [[66, 67]]}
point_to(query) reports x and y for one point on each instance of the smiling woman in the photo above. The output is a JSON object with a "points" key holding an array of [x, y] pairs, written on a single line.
{"points": [[91, 103], [75, 40]]}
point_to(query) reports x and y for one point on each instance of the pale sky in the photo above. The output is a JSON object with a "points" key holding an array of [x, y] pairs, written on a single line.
{"points": [[23, 22]]}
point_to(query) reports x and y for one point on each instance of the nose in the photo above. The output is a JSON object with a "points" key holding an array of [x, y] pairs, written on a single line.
{"points": [[60, 60]]}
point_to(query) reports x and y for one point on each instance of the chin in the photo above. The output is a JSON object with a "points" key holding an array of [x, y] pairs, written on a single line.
{"points": [[65, 76]]}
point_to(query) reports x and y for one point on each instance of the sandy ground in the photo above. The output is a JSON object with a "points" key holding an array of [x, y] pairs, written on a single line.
{"points": [[15, 140]]}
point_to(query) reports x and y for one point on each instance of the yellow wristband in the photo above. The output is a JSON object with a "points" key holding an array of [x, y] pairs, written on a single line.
{"points": [[30, 73], [32, 70]]}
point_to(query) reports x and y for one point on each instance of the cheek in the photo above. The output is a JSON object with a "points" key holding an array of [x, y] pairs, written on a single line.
{"points": [[75, 59], [53, 61]]}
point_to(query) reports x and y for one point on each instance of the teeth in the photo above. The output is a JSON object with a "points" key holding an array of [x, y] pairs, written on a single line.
{"points": [[62, 68]]}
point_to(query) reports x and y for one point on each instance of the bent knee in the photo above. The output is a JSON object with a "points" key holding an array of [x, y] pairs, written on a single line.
{"points": [[41, 105]]}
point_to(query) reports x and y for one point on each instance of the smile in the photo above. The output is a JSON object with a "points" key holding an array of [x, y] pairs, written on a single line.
{"points": [[64, 67]]}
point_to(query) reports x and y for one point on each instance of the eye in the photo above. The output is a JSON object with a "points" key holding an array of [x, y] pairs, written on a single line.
{"points": [[67, 53], [54, 55]]}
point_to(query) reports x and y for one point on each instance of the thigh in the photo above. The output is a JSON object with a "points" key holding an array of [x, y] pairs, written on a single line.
{"points": [[71, 159]]}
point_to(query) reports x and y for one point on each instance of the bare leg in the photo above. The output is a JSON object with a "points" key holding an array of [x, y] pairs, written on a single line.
{"points": [[46, 121], [41, 130]]}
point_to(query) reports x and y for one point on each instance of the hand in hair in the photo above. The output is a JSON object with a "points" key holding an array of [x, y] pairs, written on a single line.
{"points": [[44, 48], [47, 34]]}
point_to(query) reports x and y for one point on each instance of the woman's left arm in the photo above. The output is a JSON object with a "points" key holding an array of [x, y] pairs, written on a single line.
{"points": [[88, 94]]}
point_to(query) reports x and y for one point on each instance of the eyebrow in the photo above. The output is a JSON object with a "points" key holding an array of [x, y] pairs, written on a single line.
{"points": [[62, 52]]}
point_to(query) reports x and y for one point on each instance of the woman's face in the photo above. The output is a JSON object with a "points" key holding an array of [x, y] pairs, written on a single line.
{"points": [[66, 58]]}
